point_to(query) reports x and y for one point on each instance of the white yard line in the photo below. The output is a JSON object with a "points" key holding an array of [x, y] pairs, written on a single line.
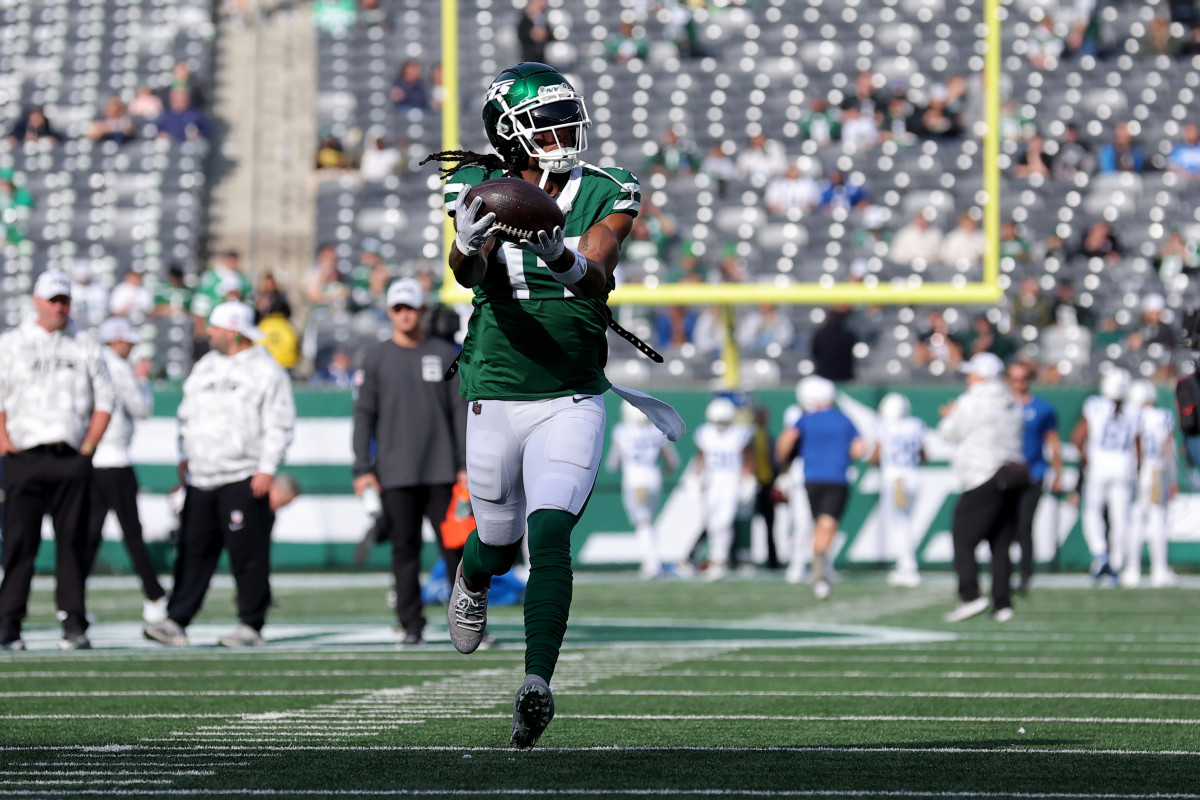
{"points": [[527, 792]]}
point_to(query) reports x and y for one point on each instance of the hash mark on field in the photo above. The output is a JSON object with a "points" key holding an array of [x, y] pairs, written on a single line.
{"points": [[1076, 676]]}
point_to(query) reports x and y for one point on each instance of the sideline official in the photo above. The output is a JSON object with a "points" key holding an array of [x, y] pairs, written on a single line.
{"points": [[114, 484], [985, 426], [56, 399], [419, 423], [235, 423]]}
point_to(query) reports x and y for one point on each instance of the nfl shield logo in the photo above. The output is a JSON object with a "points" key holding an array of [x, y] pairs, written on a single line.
{"points": [[476, 408]]}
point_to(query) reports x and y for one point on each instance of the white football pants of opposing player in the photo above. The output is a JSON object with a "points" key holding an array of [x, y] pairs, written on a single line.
{"points": [[801, 521], [897, 498], [526, 455], [1149, 524], [641, 504], [1112, 488]]}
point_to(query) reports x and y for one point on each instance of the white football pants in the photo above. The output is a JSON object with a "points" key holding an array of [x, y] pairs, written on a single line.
{"points": [[897, 498], [641, 504], [720, 504], [1114, 491], [526, 455], [1149, 524]]}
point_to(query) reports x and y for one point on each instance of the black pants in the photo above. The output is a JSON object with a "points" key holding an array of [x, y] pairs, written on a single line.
{"points": [[116, 488], [229, 517], [1027, 505], [764, 506], [50, 479], [403, 508], [986, 513]]}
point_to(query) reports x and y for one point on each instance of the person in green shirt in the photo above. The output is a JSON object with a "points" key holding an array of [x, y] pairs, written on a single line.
{"points": [[532, 363]]}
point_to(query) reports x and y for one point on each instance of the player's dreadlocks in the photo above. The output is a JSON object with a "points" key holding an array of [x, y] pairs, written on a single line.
{"points": [[466, 158]]}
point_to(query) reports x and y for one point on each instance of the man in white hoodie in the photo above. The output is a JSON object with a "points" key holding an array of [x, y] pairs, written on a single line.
{"points": [[55, 401], [235, 423], [114, 484], [985, 424]]}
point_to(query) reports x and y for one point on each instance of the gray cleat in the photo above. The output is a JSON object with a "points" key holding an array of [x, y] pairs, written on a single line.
{"points": [[467, 615], [244, 636], [532, 712], [74, 641], [168, 632], [13, 644]]}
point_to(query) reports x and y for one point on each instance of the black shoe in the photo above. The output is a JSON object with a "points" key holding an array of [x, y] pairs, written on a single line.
{"points": [[1023, 587], [74, 641], [413, 639]]}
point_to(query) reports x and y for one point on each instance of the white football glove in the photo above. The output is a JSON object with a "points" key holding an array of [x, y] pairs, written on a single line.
{"points": [[472, 232], [548, 247]]}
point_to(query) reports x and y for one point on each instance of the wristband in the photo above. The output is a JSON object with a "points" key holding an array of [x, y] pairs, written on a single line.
{"points": [[574, 273]]}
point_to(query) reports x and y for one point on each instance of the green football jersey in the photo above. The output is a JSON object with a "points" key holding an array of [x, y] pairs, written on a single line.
{"points": [[529, 336]]}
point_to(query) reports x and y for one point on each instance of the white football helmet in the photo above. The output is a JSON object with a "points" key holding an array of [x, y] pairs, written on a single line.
{"points": [[894, 406], [1142, 393], [632, 415], [815, 393], [1114, 384], [720, 411]]}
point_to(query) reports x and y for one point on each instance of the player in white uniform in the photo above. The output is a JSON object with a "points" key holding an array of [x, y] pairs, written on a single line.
{"points": [[1105, 436], [797, 502], [899, 450], [1156, 485], [722, 460], [638, 448]]}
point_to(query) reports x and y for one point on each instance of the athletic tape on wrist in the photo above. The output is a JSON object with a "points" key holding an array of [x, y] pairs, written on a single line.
{"points": [[573, 274]]}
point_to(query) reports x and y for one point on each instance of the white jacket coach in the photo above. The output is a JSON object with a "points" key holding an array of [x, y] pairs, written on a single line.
{"points": [[134, 401], [985, 425], [236, 418], [51, 383]]}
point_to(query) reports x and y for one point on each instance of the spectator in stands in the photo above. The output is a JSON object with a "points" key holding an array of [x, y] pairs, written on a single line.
{"points": [[762, 160], [273, 313], [629, 42], [874, 229], [331, 154], [338, 374], [673, 156], [983, 337], [674, 325], [869, 94], [1074, 156], [893, 120], [820, 123], [1185, 157], [437, 87], [687, 267], [15, 205], [182, 121], [765, 327], [641, 246], [1016, 125], [1159, 40], [408, 90], [372, 14], [1099, 241], [379, 161], [534, 31], [131, 299], [682, 28], [708, 334], [114, 125], [325, 284], [963, 247], [1152, 330], [172, 296], [837, 192], [89, 297], [733, 266], [918, 241], [1032, 160], [792, 193], [145, 104], [370, 279], [859, 131], [937, 344], [183, 79], [833, 347], [1067, 310], [270, 299], [334, 16], [937, 120], [217, 283], [719, 167], [32, 126], [1013, 245], [1032, 307], [1176, 256], [1123, 153], [1043, 46], [1085, 36]]}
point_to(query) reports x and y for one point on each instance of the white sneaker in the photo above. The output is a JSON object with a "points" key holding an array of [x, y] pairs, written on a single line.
{"points": [[154, 611], [169, 632], [822, 590], [244, 636], [747, 570], [966, 610], [715, 572], [908, 578], [466, 614], [1130, 578], [649, 572], [1003, 614], [794, 576], [1164, 580]]}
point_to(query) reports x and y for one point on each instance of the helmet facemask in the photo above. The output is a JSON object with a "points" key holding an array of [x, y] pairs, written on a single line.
{"points": [[559, 117]]}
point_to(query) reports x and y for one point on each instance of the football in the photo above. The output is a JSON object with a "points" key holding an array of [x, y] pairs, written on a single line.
{"points": [[521, 207]]}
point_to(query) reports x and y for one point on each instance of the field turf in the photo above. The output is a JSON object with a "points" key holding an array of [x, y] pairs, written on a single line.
{"points": [[745, 688]]}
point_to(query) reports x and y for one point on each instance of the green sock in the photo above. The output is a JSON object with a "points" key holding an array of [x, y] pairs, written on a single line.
{"points": [[548, 595], [481, 561]]}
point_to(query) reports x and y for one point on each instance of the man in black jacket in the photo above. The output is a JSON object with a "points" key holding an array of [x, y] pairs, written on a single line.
{"points": [[833, 348]]}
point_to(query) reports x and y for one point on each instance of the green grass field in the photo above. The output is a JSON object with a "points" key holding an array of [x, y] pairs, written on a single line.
{"points": [[746, 688]]}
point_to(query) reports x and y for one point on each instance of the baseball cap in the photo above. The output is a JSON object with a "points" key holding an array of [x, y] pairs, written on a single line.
{"points": [[405, 292], [984, 365], [235, 316], [51, 284], [118, 329], [1153, 302]]}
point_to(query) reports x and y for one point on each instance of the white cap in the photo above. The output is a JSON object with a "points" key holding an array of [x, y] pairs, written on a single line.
{"points": [[235, 316], [1153, 302], [51, 284], [118, 329], [984, 365], [405, 292]]}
